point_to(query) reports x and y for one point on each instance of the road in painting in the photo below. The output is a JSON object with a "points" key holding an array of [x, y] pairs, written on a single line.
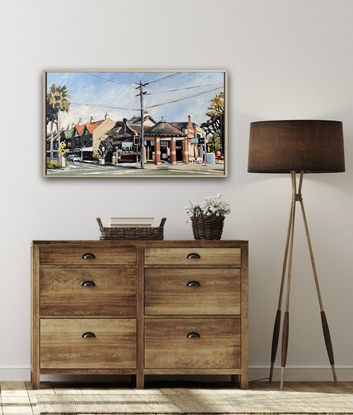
{"points": [[124, 124]]}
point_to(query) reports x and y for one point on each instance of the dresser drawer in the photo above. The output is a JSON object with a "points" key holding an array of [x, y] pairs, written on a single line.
{"points": [[66, 343], [192, 343], [88, 255], [83, 292], [192, 291], [193, 256]]}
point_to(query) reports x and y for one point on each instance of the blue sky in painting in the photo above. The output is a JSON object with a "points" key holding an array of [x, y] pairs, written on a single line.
{"points": [[170, 95]]}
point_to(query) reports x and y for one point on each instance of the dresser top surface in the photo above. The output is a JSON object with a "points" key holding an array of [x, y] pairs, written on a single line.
{"points": [[150, 243]]}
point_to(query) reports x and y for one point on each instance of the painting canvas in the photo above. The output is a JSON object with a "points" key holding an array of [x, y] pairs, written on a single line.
{"points": [[135, 123]]}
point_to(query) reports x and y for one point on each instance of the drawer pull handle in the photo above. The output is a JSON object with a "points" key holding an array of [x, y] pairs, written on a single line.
{"points": [[193, 284], [192, 335], [88, 284], [193, 255], [88, 255], [88, 334]]}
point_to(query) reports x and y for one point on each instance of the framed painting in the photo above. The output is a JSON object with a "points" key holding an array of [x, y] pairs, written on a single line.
{"points": [[119, 124]]}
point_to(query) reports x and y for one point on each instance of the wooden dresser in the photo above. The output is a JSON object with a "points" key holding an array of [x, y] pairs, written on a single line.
{"points": [[140, 308]]}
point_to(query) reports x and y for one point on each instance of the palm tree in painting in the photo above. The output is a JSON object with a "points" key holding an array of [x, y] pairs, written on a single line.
{"points": [[57, 101]]}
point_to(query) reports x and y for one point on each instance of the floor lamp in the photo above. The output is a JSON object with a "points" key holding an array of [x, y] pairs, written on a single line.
{"points": [[296, 147]]}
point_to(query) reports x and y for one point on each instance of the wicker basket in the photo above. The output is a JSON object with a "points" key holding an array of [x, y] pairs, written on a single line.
{"points": [[132, 233], [206, 227]]}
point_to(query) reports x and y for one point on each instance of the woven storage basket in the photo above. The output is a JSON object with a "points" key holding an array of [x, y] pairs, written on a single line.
{"points": [[132, 233], [206, 227]]}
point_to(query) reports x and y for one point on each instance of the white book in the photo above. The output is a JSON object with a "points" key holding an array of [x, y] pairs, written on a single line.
{"points": [[125, 222]]}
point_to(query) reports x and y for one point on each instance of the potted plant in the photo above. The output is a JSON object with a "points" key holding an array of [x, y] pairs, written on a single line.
{"points": [[207, 218]]}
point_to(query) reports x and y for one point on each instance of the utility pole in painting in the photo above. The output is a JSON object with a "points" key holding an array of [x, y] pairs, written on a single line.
{"points": [[142, 139]]}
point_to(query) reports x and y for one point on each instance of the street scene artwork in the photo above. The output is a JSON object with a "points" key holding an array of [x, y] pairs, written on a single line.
{"points": [[135, 123]]}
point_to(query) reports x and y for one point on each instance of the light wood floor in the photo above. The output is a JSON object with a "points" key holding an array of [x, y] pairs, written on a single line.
{"points": [[17, 398]]}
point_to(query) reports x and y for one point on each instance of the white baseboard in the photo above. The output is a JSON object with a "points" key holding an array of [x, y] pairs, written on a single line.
{"points": [[291, 374], [296, 374], [8, 374]]}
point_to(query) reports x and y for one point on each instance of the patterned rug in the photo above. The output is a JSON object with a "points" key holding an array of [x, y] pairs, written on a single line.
{"points": [[197, 402]]}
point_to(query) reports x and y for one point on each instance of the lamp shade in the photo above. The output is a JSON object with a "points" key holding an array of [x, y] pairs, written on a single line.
{"points": [[312, 146]]}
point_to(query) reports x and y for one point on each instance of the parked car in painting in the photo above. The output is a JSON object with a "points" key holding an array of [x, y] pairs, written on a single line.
{"points": [[72, 157]]}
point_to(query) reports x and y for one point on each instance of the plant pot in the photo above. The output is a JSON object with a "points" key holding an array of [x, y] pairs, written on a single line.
{"points": [[206, 227]]}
